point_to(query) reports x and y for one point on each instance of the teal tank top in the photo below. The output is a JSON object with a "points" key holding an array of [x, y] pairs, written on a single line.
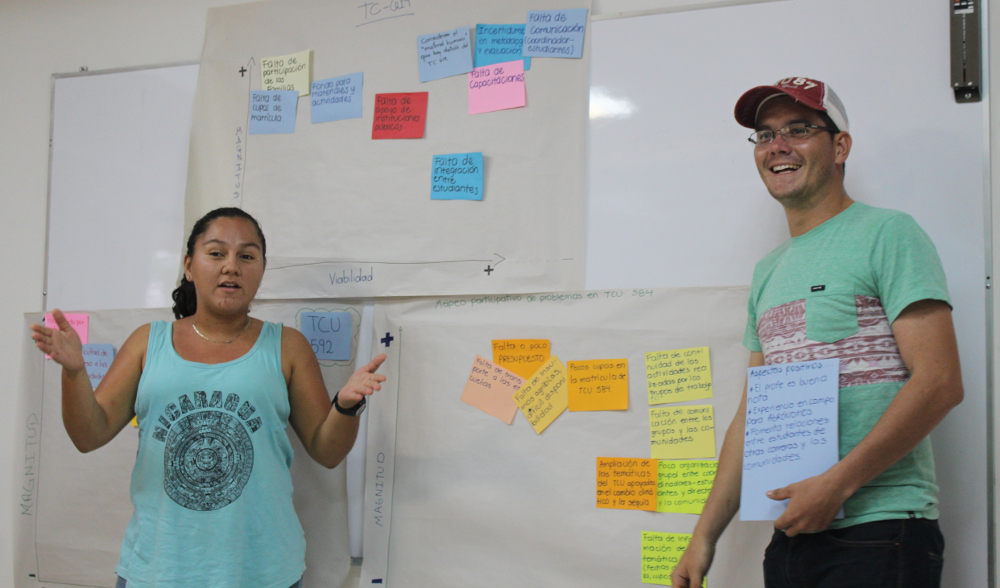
{"points": [[211, 485]]}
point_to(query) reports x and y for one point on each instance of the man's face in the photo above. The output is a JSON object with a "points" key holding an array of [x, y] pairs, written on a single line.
{"points": [[795, 173]]}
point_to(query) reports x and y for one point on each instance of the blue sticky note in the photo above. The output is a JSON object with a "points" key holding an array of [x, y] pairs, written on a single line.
{"points": [[457, 176], [336, 98], [329, 333], [499, 44], [97, 359], [444, 54], [272, 111], [555, 33]]}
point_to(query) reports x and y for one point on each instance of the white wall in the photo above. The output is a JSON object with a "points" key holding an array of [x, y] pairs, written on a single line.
{"points": [[39, 38]]}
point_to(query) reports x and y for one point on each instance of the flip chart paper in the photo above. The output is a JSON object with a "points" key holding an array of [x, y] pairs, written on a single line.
{"points": [[683, 486], [521, 356], [682, 432], [287, 72], [791, 431], [497, 43], [598, 384], [457, 176], [543, 397], [79, 321], [678, 374], [399, 116], [336, 98], [97, 359], [329, 334], [446, 54], [660, 554], [491, 389], [496, 87], [272, 112], [626, 483], [555, 33]]}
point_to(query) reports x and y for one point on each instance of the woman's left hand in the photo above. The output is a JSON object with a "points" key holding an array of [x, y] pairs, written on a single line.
{"points": [[362, 383]]}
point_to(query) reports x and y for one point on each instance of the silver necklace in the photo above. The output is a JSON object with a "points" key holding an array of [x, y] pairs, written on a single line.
{"points": [[245, 327]]}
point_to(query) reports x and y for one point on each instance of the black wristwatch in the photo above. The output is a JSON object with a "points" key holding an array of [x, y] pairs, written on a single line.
{"points": [[354, 410]]}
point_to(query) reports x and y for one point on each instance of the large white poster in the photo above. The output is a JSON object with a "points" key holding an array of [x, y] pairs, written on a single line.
{"points": [[455, 496], [347, 214]]}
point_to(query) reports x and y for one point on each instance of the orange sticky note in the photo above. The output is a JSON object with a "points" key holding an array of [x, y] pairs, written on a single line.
{"points": [[521, 356], [598, 384], [78, 320], [543, 396], [491, 389], [624, 482]]}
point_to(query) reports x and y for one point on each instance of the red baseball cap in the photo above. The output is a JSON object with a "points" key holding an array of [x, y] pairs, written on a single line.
{"points": [[812, 93]]}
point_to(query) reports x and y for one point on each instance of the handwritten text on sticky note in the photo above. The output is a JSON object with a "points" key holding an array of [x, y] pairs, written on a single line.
{"points": [[683, 486], [496, 87], [497, 43], [491, 389], [679, 374], [97, 359], [660, 554], [521, 356], [444, 54], [555, 33], [598, 384], [682, 432], [543, 396], [457, 176], [336, 98], [329, 334], [272, 112], [626, 483], [287, 72], [399, 116]]}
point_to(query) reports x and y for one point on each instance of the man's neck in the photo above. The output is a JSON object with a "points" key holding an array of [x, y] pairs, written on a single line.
{"points": [[802, 219]]}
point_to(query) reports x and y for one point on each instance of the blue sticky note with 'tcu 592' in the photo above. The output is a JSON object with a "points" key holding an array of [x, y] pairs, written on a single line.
{"points": [[329, 334]]}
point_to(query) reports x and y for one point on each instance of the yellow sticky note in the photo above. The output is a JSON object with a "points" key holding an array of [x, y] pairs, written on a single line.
{"points": [[678, 374], [598, 384], [135, 422], [627, 483], [660, 554], [521, 356], [683, 486], [682, 432], [543, 396], [491, 389], [287, 72]]}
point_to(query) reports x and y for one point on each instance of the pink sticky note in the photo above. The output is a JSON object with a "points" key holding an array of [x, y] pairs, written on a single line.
{"points": [[491, 389], [78, 320], [496, 87]]}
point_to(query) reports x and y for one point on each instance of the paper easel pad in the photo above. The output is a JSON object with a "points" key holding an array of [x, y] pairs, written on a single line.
{"points": [[626, 483], [678, 374], [682, 432], [521, 356], [683, 486], [491, 389], [543, 397], [598, 384]]}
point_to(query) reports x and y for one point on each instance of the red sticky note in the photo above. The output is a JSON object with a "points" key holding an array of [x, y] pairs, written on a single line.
{"points": [[400, 115], [78, 320]]}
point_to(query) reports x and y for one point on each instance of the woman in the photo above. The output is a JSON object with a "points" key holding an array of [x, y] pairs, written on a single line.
{"points": [[213, 392]]}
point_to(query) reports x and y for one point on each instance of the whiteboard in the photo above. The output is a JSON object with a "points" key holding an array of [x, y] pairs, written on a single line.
{"points": [[116, 187], [674, 198]]}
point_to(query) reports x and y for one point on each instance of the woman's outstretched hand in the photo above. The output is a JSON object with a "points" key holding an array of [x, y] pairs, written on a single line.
{"points": [[362, 383], [62, 342]]}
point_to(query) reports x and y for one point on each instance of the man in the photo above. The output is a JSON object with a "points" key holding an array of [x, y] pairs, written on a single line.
{"points": [[864, 285]]}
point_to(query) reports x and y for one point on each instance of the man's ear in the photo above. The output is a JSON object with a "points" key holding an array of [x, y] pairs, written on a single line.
{"points": [[842, 144]]}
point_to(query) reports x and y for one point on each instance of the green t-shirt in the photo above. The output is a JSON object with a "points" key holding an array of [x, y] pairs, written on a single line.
{"points": [[834, 293]]}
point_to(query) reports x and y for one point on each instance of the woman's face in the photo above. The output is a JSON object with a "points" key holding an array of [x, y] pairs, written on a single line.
{"points": [[227, 266]]}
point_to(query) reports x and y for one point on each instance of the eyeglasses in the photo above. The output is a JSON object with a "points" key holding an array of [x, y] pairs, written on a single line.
{"points": [[793, 133]]}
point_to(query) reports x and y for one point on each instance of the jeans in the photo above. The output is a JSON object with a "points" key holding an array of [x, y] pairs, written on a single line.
{"points": [[900, 553], [122, 583]]}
